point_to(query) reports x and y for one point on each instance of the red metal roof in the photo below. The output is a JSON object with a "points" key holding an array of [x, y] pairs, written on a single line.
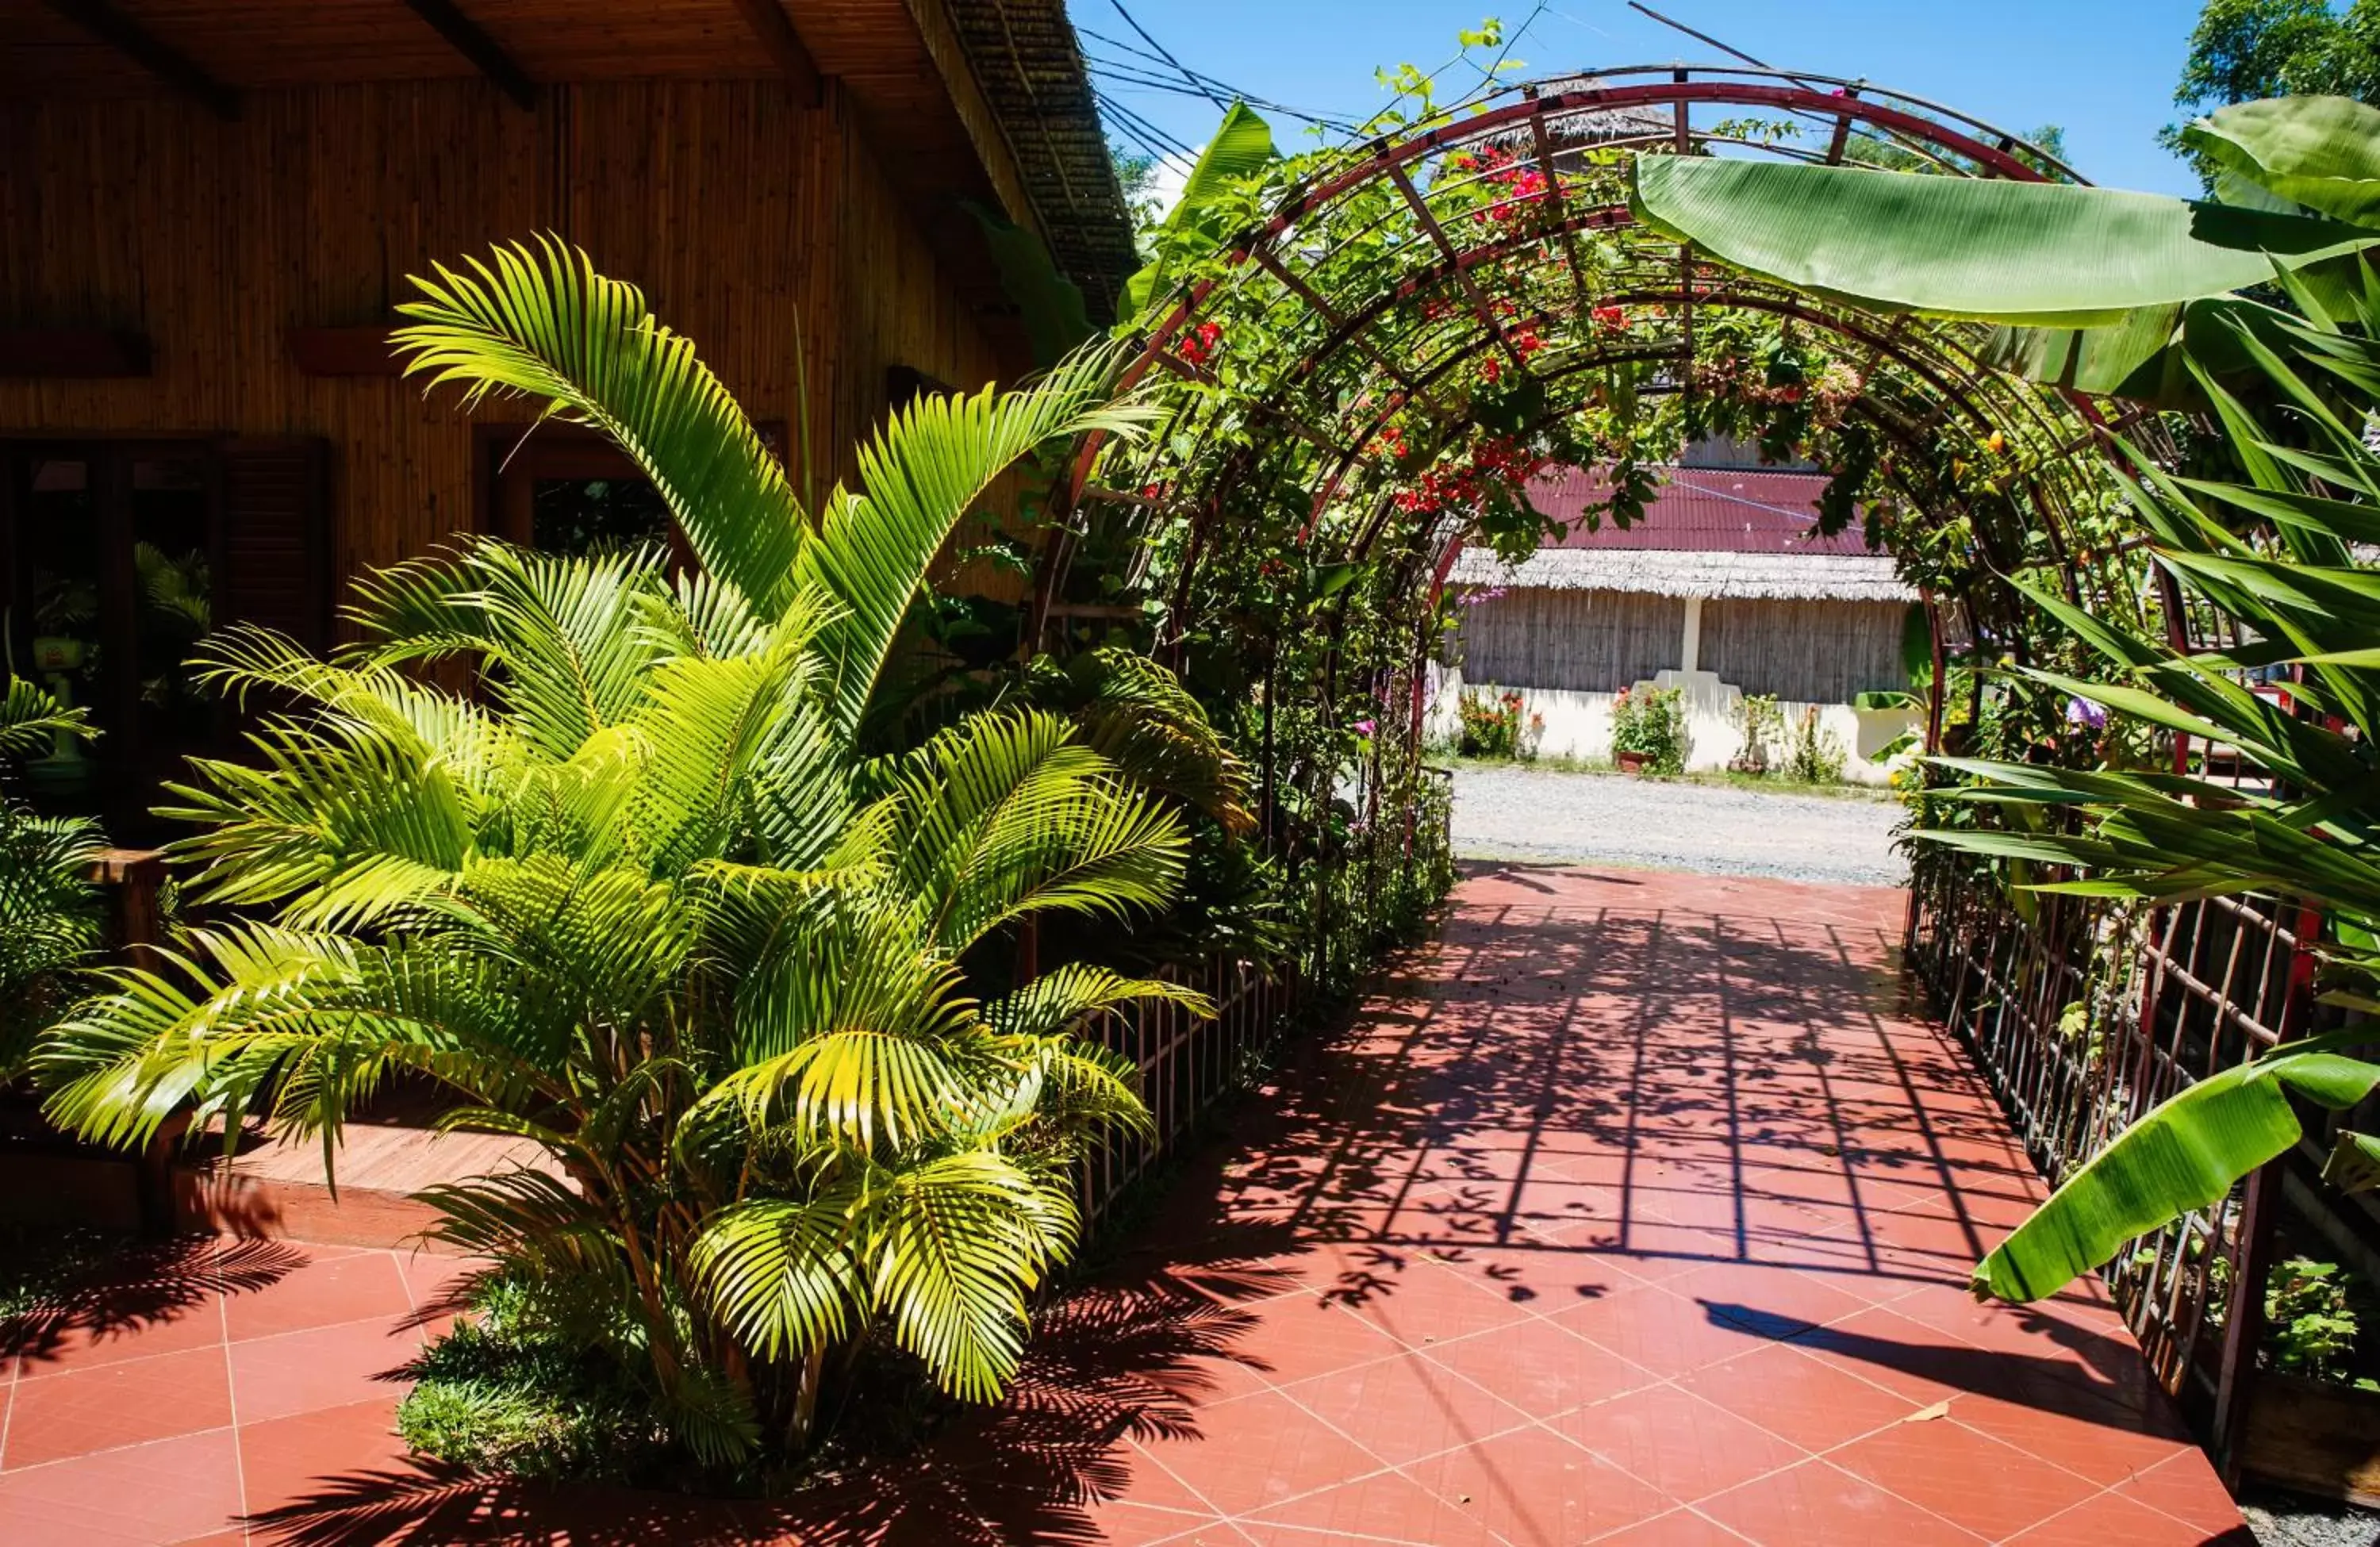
{"points": [[1703, 510]]}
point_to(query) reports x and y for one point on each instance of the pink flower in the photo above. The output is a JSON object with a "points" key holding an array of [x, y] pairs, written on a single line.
{"points": [[1363, 728]]}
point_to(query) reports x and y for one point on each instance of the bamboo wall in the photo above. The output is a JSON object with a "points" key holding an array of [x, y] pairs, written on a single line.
{"points": [[750, 221], [1807, 651], [1589, 642], [1599, 641]]}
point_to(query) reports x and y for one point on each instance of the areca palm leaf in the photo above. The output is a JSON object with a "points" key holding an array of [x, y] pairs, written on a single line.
{"points": [[957, 1244], [31, 719], [1135, 714], [1068, 998], [541, 324], [2185, 1154], [529, 1220], [2030, 254], [1007, 814], [781, 1271], [244, 661], [598, 945], [312, 1019], [342, 822], [924, 472]]}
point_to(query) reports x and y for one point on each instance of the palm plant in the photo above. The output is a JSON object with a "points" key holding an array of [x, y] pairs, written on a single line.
{"points": [[50, 915], [640, 901], [2108, 290]]}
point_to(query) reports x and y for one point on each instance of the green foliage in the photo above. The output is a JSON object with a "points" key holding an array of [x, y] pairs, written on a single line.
{"points": [[517, 1387], [1815, 755], [2243, 50], [1490, 722], [1651, 722], [2310, 1323], [637, 896], [50, 915], [1763, 724]]}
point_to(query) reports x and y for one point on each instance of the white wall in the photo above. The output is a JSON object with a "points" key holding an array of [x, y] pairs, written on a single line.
{"points": [[1578, 724]]}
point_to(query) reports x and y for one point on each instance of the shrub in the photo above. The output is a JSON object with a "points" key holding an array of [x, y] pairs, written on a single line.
{"points": [[1764, 733], [1491, 723], [1816, 756], [1653, 723]]}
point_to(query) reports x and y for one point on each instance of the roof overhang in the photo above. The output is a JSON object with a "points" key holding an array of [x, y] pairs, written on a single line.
{"points": [[1713, 576]]}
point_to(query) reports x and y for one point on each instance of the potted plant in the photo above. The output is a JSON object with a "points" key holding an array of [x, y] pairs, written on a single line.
{"points": [[1648, 731]]}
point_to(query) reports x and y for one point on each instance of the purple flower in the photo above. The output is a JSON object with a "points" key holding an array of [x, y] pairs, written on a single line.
{"points": [[1363, 728], [2082, 711]]}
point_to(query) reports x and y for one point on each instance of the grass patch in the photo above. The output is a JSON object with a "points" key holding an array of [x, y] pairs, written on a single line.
{"points": [[515, 1389]]}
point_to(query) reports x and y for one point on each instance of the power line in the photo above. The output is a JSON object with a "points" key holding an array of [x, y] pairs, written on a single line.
{"points": [[1169, 58], [1325, 119], [1146, 136], [1127, 75]]}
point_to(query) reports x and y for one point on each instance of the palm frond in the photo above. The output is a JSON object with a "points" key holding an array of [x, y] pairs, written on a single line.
{"points": [[541, 324]]}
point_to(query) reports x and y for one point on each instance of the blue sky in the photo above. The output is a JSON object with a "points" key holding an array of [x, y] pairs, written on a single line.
{"points": [[2103, 69]]}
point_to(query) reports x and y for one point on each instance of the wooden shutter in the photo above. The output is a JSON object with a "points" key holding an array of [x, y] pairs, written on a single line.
{"points": [[274, 536]]}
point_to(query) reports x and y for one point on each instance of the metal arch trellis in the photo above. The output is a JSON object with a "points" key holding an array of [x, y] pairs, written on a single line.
{"points": [[1382, 303]]}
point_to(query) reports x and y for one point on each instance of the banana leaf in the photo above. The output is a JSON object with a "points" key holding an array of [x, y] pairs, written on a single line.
{"points": [[1242, 148], [2028, 254], [2186, 1154], [2322, 153]]}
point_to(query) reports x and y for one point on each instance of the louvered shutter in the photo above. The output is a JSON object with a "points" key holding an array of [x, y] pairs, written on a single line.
{"points": [[273, 541]]}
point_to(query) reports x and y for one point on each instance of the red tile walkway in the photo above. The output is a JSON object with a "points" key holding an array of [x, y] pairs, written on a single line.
{"points": [[1633, 1212]]}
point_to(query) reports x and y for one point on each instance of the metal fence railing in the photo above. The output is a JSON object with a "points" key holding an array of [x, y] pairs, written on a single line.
{"points": [[2083, 1017]]}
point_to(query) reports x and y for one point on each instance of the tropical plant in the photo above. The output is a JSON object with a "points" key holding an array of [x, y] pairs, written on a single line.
{"points": [[1490, 722], [50, 913], [2246, 50], [1651, 723], [2273, 548], [639, 900]]}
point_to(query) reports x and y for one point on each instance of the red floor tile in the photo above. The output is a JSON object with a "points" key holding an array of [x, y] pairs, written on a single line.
{"points": [[125, 1403], [1387, 1507], [332, 1288], [1534, 1486], [327, 1367], [169, 1491], [1402, 1409], [1798, 1397], [285, 1460], [1682, 1444], [1992, 1489], [1815, 1505], [1261, 1449], [1541, 1369]]}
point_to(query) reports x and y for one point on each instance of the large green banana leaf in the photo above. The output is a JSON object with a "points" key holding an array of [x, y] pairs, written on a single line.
{"points": [[2186, 1154], [2028, 254], [1242, 147], [2322, 152]]}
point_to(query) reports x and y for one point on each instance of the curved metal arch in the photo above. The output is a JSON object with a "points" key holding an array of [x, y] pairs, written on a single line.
{"points": [[1269, 252]]}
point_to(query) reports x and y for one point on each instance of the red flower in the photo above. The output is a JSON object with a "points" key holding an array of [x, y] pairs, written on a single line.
{"points": [[1197, 346], [1490, 368], [1610, 317]]}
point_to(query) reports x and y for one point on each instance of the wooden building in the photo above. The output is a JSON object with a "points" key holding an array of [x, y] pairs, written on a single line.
{"points": [[209, 209], [1723, 589]]}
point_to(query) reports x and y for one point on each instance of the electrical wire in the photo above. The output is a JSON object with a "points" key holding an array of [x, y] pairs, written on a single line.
{"points": [[1167, 54]]}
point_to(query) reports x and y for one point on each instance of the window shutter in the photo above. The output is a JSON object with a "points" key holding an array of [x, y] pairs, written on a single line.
{"points": [[273, 541]]}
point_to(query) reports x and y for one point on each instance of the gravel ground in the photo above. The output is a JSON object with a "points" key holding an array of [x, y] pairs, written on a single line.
{"points": [[1535, 814], [2284, 1520]]}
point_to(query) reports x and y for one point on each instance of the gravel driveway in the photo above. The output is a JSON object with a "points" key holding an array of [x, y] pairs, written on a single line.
{"points": [[1523, 813]]}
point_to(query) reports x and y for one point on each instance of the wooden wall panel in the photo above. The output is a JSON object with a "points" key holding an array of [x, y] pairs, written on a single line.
{"points": [[750, 221]]}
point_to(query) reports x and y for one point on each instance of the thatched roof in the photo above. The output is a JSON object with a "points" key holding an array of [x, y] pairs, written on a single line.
{"points": [[1712, 576], [1025, 55], [1585, 130]]}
